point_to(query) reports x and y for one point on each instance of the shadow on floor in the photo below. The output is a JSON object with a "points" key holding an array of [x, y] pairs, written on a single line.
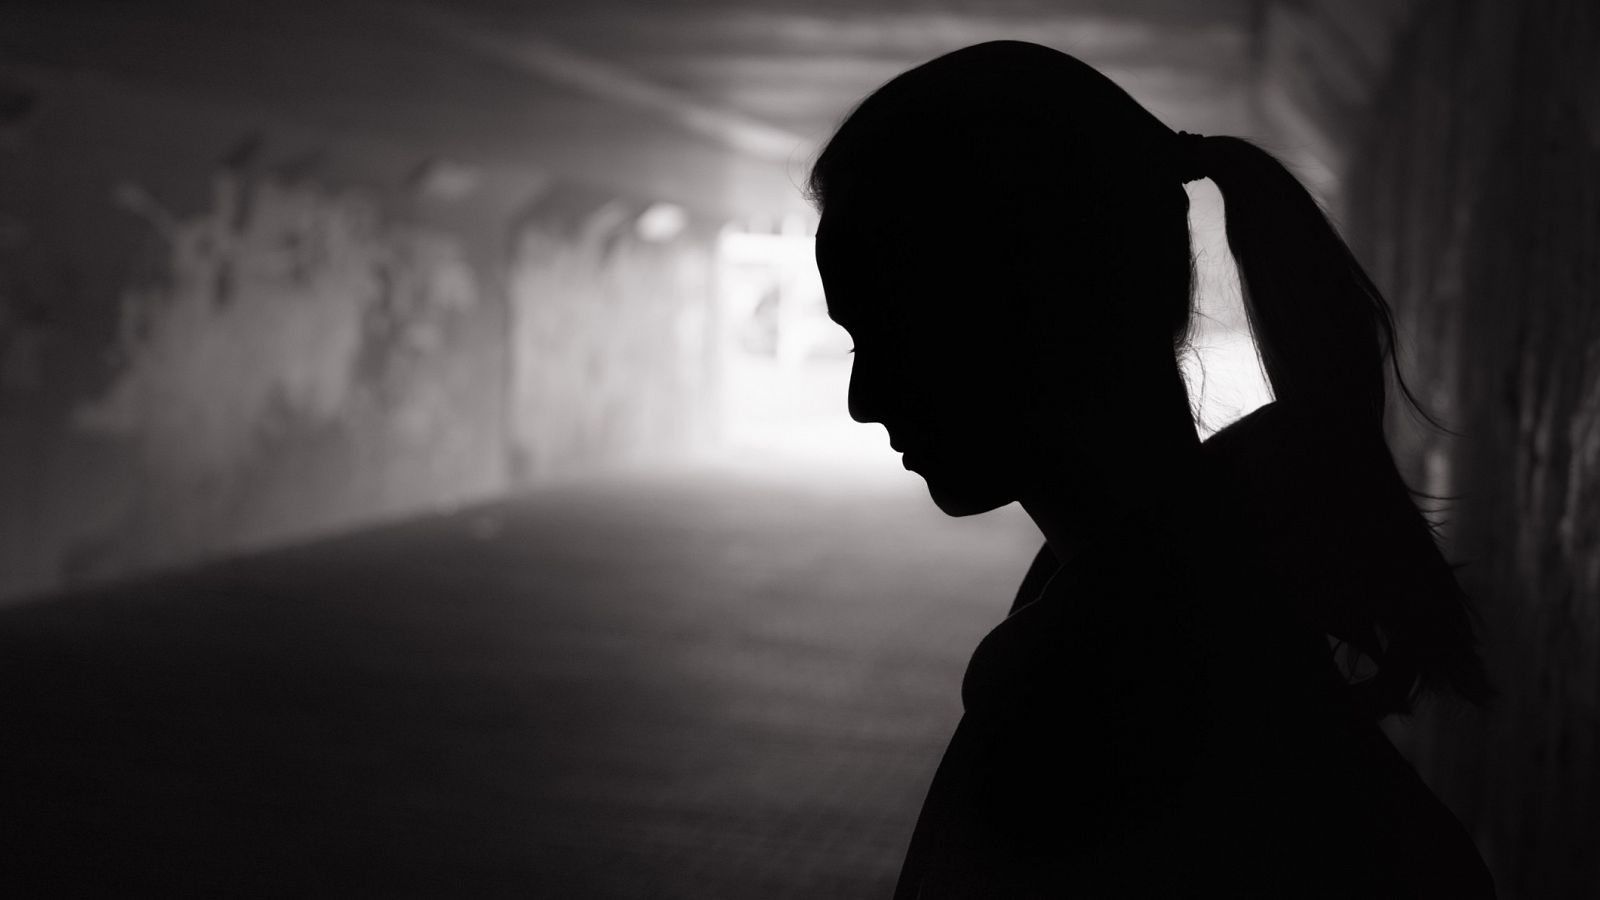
{"points": [[696, 684]]}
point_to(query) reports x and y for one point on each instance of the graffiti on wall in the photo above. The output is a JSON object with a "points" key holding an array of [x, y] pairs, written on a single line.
{"points": [[291, 327]]}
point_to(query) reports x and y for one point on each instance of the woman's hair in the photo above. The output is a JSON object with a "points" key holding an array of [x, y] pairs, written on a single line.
{"points": [[1032, 155]]}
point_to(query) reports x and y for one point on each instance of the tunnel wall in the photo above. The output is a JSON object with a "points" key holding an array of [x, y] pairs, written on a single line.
{"points": [[1478, 199], [615, 334], [220, 331]]}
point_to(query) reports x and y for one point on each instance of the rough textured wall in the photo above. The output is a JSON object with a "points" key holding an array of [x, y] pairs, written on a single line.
{"points": [[220, 332], [1478, 196], [298, 364]]}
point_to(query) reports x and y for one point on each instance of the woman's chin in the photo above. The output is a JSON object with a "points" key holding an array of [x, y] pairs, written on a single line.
{"points": [[964, 499]]}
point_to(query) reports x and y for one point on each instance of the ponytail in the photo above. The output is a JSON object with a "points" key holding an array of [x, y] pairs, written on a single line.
{"points": [[1325, 336]]}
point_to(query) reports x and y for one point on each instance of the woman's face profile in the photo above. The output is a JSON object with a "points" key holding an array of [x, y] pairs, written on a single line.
{"points": [[938, 359]]}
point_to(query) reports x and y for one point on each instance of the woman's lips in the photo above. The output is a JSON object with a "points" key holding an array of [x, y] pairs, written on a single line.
{"points": [[908, 458]]}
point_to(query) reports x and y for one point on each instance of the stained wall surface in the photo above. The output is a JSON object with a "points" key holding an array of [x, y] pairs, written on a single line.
{"points": [[221, 331], [1477, 198]]}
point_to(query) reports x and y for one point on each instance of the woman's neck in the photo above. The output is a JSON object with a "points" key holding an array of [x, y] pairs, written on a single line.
{"points": [[1071, 507]]}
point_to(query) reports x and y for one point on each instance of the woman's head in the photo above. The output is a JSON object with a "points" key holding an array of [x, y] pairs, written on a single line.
{"points": [[1004, 234]]}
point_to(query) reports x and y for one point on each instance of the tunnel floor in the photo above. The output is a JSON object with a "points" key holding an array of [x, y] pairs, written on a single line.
{"points": [[701, 683]]}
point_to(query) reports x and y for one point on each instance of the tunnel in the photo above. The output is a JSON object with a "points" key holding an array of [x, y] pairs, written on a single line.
{"points": [[425, 464]]}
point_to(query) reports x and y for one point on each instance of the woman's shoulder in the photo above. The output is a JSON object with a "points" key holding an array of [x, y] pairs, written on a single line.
{"points": [[1161, 610], [1044, 567], [1113, 627]]}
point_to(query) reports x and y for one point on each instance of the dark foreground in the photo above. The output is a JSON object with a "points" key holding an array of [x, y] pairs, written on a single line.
{"points": [[697, 686]]}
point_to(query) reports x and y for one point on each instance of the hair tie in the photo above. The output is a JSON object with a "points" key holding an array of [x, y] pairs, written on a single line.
{"points": [[1189, 157]]}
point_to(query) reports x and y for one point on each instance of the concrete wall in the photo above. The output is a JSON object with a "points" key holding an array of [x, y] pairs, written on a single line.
{"points": [[219, 330], [1477, 197]]}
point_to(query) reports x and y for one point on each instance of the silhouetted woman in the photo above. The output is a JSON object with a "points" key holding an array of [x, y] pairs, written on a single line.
{"points": [[1004, 234]]}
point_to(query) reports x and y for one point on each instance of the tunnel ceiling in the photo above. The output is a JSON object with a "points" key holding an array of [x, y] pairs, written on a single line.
{"points": [[799, 65], [670, 97]]}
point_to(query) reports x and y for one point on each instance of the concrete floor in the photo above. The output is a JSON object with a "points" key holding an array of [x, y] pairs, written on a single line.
{"points": [[698, 684]]}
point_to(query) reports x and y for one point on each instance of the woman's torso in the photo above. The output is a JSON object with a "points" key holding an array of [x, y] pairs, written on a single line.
{"points": [[1150, 726]]}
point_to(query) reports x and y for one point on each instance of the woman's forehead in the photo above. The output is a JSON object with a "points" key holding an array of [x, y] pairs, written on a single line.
{"points": [[841, 231], [848, 252], [862, 241]]}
